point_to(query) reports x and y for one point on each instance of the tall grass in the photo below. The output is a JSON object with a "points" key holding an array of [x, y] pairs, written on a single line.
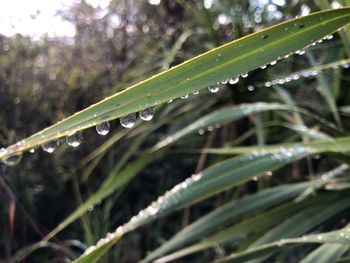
{"points": [[279, 154]]}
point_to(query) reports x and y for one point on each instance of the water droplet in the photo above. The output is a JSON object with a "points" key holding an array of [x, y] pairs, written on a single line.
{"points": [[213, 89], [128, 121], [268, 173], [13, 159], [32, 150], [273, 62], [50, 147], [75, 139], [263, 67], [268, 84], [147, 114], [184, 96], [234, 80], [244, 75], [251, 88], [201, 132], [195, 92], [103, 128]]}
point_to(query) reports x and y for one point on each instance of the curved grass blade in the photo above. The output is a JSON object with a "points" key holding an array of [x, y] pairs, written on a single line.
{"points": [[333, 237], [219, 64], [230, 213], [341, 144], [221, 117]]}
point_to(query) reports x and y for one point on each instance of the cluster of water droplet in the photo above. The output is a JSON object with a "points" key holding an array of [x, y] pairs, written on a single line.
{"points": [[309, 73], [162, 203], [283, 154], [117, 234], [210, 128]]}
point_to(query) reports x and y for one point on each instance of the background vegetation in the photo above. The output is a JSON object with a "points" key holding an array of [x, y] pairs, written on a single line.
{"points": [[42, 82]]}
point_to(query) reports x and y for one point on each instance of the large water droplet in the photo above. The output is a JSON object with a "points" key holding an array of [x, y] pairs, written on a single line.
{"points": [[50, 147], [184, 96], [147, 114], [103, 128], [213, 89], [234, 80], [273, 62], [13, 159], [75, 139], [128, 121]]}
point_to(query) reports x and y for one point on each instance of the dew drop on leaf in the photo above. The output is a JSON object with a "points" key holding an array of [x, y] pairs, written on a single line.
{"points": [[13, 159], [147, 114], [50, 147], [201, 132], [75, 139], [184, 96], [103, 128], [128, 121], [244, 75], [213, 89], [234, 80], [251, 88]]}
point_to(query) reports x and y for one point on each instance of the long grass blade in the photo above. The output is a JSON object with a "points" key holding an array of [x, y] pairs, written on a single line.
{"points": [[219, 64]]}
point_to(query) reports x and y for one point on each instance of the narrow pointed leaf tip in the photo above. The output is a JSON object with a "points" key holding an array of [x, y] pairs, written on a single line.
{"points": [[219, 64]]}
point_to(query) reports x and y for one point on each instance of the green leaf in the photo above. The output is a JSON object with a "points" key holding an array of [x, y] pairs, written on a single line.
{"points": [[221, 63]]}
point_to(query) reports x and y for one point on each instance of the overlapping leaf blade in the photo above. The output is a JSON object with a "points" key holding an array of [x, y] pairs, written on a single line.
{"points": [[220, 177]]}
